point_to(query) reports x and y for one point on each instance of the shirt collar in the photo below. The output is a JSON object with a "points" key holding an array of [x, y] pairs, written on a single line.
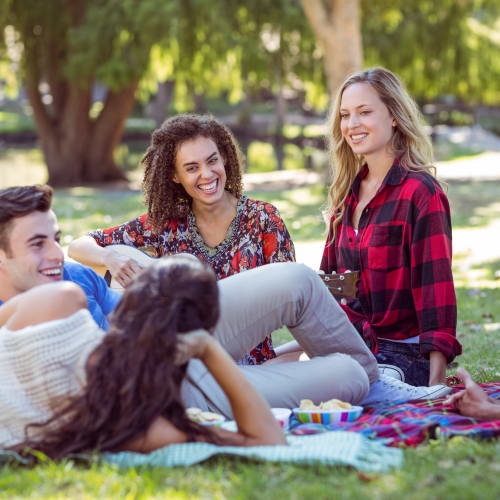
{"points": [[396, 175]]}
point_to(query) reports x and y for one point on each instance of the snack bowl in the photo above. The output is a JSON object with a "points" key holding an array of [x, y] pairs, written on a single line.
{"points": [[204, 417], [328, 416], [282, 415]]}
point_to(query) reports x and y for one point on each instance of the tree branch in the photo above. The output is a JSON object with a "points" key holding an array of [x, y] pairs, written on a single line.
{"points": [[40, 114], [117, 106], [318, 17]]}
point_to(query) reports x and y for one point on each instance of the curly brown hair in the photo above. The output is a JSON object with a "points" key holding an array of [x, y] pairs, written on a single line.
{"points": [[166, 199]]}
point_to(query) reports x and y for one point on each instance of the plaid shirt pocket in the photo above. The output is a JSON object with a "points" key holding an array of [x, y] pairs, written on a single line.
{"points": [[385, 251]]}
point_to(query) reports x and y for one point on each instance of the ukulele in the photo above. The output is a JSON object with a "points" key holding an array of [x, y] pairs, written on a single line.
{"points": [[340, 284]]}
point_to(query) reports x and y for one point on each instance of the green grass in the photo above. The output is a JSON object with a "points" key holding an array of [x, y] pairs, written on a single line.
{"points": [[474, 204], [459, 468], [300, 208]]}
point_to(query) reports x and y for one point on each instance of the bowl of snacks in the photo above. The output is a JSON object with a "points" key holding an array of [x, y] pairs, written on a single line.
{"points": [[204, 417], [282, 415], [332, 411]]}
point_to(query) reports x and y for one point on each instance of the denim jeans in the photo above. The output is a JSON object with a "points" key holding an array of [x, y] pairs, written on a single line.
{"points": [[407, 356]]}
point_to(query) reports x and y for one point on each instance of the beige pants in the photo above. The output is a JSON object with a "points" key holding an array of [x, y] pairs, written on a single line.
{"points": [[255, 303]]}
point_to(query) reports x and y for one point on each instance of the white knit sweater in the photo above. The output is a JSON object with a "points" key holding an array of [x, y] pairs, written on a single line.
{"points": [[40, 366]]}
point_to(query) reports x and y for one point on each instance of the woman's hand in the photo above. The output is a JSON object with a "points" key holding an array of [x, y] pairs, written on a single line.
{"points": [[256, 423], [122, 268], [194, 344]]}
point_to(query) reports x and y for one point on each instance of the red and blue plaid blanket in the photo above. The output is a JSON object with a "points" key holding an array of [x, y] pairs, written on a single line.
{"points": [[410, 423]]}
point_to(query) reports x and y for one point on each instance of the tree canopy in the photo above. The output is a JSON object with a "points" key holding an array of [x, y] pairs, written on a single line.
{"points": [[81, 61], [65, 48]]}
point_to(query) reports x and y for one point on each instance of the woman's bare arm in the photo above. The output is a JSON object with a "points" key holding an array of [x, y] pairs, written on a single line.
{"points": [[437, 374], [88, 252], [256, 423], [41, 304]]}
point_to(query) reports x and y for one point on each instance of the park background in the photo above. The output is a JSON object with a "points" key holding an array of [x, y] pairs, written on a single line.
{"points": [[84, 83]]}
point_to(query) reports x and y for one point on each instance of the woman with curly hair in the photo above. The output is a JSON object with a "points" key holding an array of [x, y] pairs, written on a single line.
{"points": [[390, 220], [193, 192]]}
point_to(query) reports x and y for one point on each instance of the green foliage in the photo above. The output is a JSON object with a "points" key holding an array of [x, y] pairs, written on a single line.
{"points": [[108, 41], [445, 48], [235, 49], [14, 122]]}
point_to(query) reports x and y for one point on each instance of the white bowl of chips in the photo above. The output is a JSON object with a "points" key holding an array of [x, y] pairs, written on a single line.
{"points": [[333, 411]]}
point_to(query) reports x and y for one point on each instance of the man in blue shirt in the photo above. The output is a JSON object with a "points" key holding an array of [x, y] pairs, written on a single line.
{"points": [[31, 254]]}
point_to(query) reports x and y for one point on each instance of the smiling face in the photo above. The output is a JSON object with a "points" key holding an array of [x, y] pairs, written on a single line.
{"points": [[34, 255], [199, 168], [365, 121]]}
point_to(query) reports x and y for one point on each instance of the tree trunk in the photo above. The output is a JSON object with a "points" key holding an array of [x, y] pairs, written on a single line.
{"points": [[76, 149], [63, 139], [280, 104], [336, 24], [105, 136]]}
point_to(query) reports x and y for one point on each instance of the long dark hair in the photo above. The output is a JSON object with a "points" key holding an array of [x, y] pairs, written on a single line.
{"points": [[131, 376], [167, 199]]}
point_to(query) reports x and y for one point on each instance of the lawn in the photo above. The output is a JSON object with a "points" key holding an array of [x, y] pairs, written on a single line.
{"points": [[459, 469]]}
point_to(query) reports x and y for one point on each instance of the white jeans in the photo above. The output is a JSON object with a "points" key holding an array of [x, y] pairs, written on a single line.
{"points": [[255, 303]]}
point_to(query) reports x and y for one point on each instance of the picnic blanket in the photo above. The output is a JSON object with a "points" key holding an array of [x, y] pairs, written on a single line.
{"points": [[331, 448], [411, 423]]}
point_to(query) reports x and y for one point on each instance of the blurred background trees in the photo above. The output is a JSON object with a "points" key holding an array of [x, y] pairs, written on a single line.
{"points": [[264, 66]]}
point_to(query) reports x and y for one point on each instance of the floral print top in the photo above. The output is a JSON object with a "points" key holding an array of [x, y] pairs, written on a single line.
{"points": [[256, 236]]}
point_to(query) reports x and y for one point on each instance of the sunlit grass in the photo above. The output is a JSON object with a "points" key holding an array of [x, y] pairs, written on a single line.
{"points": [[459, 469], [21, 166]]}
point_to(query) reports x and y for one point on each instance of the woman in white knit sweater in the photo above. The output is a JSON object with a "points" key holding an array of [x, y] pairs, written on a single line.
{"points": [[67, 387]]}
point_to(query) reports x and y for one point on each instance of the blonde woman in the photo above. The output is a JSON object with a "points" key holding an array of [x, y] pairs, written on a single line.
{"points": [[389, 219]]}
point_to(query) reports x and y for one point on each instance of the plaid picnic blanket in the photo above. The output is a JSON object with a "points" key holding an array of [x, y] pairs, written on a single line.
{"points": [[411, 423]]}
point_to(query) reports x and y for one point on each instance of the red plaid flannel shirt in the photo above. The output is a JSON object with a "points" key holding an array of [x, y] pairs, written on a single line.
{"points": [[403, 252]]}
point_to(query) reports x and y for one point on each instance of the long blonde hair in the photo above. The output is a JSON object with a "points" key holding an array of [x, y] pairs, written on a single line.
{"points": [[409, 142]]}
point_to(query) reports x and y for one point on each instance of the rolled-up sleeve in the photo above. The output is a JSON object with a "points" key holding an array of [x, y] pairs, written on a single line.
{"points": [[432, 279]]}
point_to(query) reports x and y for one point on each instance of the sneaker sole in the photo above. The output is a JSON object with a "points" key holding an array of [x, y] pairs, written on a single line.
{"points": [[439, 392]]}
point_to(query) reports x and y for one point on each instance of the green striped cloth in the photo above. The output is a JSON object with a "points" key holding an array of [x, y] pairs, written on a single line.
{"points": [[330, 448]]}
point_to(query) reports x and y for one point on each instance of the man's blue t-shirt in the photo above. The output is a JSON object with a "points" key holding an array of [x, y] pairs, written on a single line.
{"points": [[101, 300]]}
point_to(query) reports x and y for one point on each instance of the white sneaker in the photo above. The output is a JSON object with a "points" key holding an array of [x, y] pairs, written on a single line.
{"points": [[392, 371], [390, 389]]}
